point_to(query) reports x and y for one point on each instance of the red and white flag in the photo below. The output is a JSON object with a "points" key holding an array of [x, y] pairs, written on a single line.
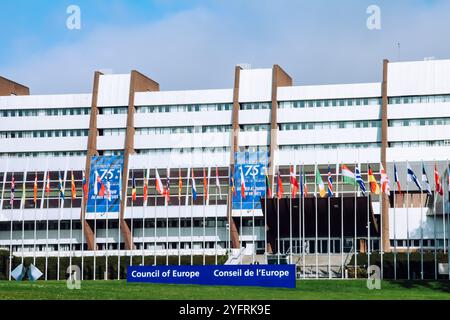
{"points": [[294, 182], [437, 181], [385, 183], [242, 184], [158, 183]]}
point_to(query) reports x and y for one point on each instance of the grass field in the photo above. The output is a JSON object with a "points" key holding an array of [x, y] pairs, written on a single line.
{"points": [[306, 290]]}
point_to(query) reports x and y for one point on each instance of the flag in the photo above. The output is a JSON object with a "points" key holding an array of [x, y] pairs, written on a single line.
{"points": [[60, 186], [47, 185], [374, 187], [360, 181], [396, 179], [305, 184], [232, 186], [412, 176], [99, 187], [425, 181], [194, 188], [242, 184], [180, 183], [13, 187], [268, 188], [437, 181], [35, 188], [133, 189], [385, 183], [73, 187], [280, 189], [108, 190], [85, 187], [319, 183], [330, 183], [218, 183], [145, 188], [294, 182], [167, 189], [205, 186], [347, 176], [158, 183]]}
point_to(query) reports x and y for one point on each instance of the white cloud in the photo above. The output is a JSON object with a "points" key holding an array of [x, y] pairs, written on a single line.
{"points": [[198, 48]]}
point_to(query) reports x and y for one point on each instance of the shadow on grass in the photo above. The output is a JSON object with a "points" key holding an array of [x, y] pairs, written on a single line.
{"points": [[443, 285]]}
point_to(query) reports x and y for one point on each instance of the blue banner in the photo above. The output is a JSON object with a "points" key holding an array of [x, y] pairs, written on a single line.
{"points": [[105, 184], [255, 186], [280, 276]]}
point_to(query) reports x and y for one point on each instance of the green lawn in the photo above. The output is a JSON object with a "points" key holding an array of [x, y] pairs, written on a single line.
{"points": [[306, 289]]}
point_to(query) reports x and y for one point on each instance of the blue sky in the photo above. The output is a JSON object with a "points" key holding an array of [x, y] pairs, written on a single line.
{"points": [[196, 44]]}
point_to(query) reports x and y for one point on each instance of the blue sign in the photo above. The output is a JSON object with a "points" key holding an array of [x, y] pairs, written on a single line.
{"points": [[280, 276], [255, 186], [105, 184]]}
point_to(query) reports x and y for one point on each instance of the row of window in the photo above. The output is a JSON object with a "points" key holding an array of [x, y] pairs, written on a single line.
{"points": [[191, 129], [183, 150], [329, 103], [185, 108], [45, 112], [256, 106], [114, 110], [407, 144], [420, 99], [419, 122], [43, 134], [330, 125], [43, 154], [255, 127], [330, 146]]}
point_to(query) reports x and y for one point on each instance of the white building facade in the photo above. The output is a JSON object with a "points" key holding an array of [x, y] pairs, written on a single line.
{"points": [[406, 117]]}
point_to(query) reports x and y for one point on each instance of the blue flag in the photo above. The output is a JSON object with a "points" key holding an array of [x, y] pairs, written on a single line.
{"points": [[412, 177], [60, 186], [425, 180], [360, 181]]}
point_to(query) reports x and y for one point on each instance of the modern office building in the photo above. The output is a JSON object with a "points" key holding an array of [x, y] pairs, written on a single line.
{"points": [[264, 118]]}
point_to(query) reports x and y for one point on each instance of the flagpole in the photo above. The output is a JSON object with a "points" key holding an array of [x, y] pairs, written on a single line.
{"points": [[205, 194], [253, 220], [95, 235], [342, 222], [380, 227], [179, 215], [443, 223], [132, 223], [290, 215], [407, 223], [119, 222], [434, 216], [329, 235], [278, 218], [46, 239], [167, 215], [421, 229], [395, 229], [11, 231], [186, 200], [217, 187], [316, 224], [156, 221], [35, 218], [368, 220], [241, 230], [108, 194], [265, 215], [83, 219], [303, 223], [192, 221], [356, 234]]}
